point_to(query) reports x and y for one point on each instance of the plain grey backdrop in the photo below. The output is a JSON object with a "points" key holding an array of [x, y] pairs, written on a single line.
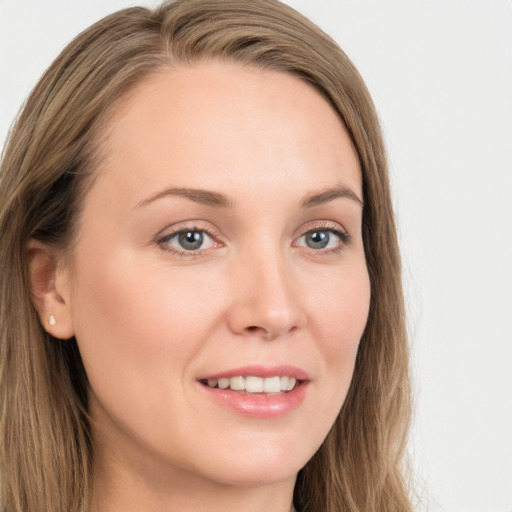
{"points": [[440, 73]]}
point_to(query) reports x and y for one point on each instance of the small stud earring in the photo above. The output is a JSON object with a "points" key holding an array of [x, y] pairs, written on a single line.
{"points": [[52, 320]]}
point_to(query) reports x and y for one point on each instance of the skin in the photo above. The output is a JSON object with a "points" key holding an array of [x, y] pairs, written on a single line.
{"points": [[150, 320]]}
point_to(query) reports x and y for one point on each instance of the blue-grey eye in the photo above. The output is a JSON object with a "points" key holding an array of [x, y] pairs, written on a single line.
{"points": [[190, 240], [321, 239], [317, 239]]}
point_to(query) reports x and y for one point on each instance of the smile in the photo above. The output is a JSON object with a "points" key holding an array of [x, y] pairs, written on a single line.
{"points": [[252, 384], [258, 391]]}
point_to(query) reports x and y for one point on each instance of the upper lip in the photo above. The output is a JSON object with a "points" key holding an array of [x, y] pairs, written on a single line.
{"points": [[261, 371]]}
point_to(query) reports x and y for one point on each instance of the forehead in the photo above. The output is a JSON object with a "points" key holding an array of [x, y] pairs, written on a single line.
{"points": [[199, 124]]}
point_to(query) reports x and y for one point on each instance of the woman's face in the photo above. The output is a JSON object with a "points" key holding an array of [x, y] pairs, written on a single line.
{"points": [[220, 246]]}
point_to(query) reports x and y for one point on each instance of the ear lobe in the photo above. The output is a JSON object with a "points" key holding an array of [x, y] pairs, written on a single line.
{"points": [[50, 290]]}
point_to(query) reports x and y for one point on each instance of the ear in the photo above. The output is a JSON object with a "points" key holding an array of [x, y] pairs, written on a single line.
{"points": [[49, 285]]}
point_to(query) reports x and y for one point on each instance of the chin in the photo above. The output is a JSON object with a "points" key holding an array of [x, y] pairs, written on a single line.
{"points": [[256, 474], [261, 464]]}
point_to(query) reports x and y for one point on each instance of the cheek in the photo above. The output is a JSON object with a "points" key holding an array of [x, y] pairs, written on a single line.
{"points": [[340, 305], [139, 333], [126, 298], [134, 326], [341, 313], [345, 312]]}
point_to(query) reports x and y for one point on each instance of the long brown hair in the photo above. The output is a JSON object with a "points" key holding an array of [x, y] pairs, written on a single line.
{"points": [[48, 163]]}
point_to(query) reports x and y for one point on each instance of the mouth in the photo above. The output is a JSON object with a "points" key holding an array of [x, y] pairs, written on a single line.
{"points": [[258, 391], [254, 385]]}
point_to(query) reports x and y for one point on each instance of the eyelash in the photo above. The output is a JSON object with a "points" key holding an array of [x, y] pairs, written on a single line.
{"points": [[164, 241], [342, 235]]}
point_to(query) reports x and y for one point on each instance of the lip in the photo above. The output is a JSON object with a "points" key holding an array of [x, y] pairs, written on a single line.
{"points": [[261, 371], [254, 405]]}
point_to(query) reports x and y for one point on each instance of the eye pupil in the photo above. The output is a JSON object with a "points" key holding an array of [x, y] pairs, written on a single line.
{"points": [[317, 239], [190, 240]]}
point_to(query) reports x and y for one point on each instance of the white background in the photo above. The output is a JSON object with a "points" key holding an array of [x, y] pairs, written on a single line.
{"points": [[440, 73]]}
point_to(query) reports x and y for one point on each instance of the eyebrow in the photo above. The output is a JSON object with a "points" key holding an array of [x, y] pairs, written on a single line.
{"points": [[205, 197], [329, 194], [219, 200]]}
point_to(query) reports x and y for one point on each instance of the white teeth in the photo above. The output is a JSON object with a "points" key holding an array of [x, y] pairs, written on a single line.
{"points": [[223, 383], [252, 384], [237, 383], [272, 385]]}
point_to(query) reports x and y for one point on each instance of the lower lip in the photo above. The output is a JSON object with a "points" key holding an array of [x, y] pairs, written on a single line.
{"points": [[259, 406]]}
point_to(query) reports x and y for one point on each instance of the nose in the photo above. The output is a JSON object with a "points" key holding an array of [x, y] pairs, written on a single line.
{"points": [[265, 298]]}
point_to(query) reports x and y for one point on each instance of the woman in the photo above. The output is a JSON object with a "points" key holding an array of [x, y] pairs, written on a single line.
{"points": [[201, 304]]}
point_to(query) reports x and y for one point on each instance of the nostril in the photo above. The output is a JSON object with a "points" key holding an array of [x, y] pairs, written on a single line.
{"points": [[267, 333]]}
